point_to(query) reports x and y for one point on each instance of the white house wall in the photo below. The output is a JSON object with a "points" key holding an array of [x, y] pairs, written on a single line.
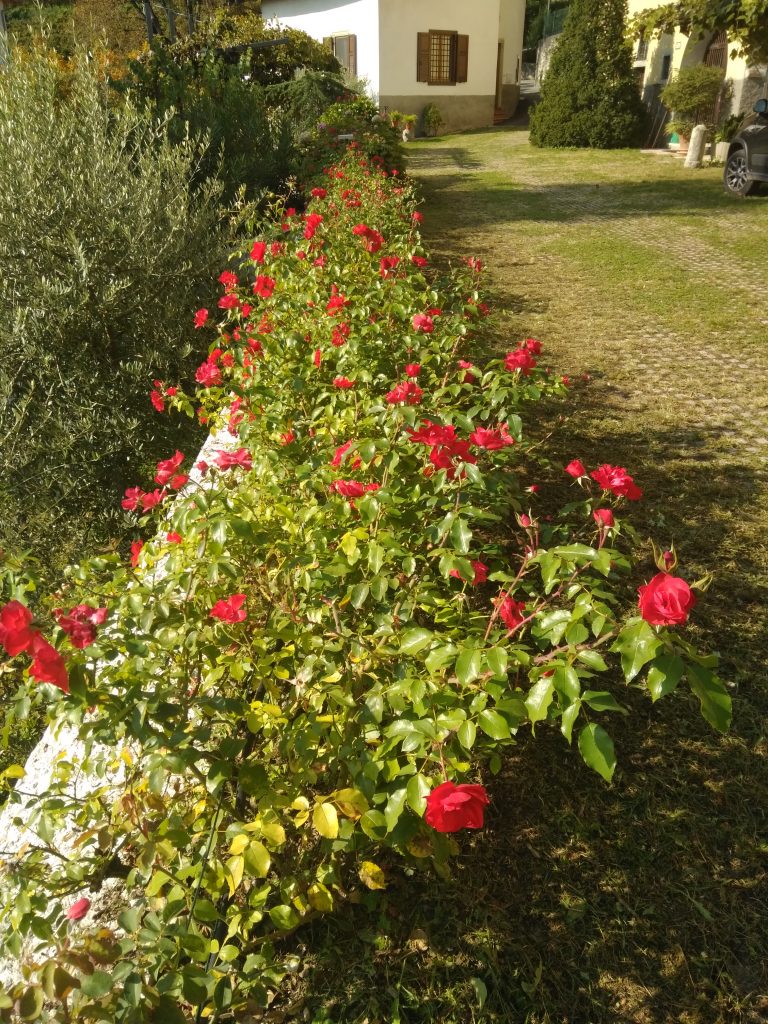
{"points": [[511, 28], [321, 18], [467, 104]]}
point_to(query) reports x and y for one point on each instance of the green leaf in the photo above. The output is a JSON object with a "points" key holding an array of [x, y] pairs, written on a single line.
{"points": [[568, 718], [538, 700], [599, 700], [493, 724], [31, 1003], [664, 675], [284, 917], [638, 645], [461, 535], [496, 659], [468, 665], [359, 595], [326, 820], [394, 808], [713, 697], [96, 984], [566, 681], [596, 747], [593, 660], [415, 640], [416, 793], [467, 734], [375, 557]]}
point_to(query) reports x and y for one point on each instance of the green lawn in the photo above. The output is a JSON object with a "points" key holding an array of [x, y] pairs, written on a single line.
{"points": [[645, 902]]}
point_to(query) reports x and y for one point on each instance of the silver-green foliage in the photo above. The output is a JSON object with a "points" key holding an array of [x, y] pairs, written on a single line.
{"points": [[105, 249]]}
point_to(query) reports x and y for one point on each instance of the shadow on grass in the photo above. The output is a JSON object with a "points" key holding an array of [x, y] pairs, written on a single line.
{"points": [[566, 202], [640, 903]]}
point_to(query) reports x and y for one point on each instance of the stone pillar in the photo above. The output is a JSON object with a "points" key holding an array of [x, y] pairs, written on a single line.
{"points": [[696, 147]]}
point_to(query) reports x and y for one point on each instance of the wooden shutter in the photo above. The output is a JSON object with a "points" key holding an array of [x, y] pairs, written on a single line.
{"points": [[462, 58], [422, 57], [352, 60]]}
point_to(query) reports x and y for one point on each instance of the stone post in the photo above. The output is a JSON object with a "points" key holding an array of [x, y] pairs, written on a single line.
{"points": [[696, 147]]}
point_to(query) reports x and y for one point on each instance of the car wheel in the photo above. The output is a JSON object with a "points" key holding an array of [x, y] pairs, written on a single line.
{"points": [[735, 177]]}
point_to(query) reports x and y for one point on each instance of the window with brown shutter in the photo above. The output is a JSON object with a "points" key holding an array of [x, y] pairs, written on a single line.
{"points": [[344, 49], [442, 57]]}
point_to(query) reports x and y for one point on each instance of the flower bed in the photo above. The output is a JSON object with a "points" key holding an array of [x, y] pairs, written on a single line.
{"points": [[357, 615]]}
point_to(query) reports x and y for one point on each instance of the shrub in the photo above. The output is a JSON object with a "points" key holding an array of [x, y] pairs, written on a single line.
{"points": [[306, 669], [692, 96], [375, 138], [431, 119], [105, 252], [589, 96]]}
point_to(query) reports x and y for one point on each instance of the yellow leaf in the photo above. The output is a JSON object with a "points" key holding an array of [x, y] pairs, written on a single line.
{"points": [[320, 898], [238, 844], [372, 875], [326, 820], [351, 802], [273, 833], [234, 873]]}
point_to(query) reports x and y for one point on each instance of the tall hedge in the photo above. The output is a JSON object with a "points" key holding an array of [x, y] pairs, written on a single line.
{"points": [[590, 96], [105, 252]]}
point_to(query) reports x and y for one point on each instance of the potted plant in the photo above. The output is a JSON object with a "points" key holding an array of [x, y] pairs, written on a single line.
{"points": [[724, 134], [692, 97]]}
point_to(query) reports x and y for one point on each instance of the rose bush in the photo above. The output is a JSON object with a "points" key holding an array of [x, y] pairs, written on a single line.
{"points": [[360, 609]]}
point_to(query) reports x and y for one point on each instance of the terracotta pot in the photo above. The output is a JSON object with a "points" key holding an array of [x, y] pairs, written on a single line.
{"points": [[682, 144]]}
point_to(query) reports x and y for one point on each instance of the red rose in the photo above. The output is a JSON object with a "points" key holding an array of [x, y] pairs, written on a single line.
{"points": [[79, 909], [157, 400], [152, 498], [417, 217], [616, 480], [666, 600], [339, 454], [603, 517], [432, 433], [492, 439], [511, 612], [412, 369], [229, 460], [522, 360], [229, 301], [208, 374], [423, 322], [533, 346], [80, 623], [575, 468], [15, 634], [343, 383], [173, 538], [167, 468], [258, 252], [317, 358], [419, 261], [287, 438], [311, 224], [228, 279], [136, 552], [319, 193], [406, 392], [229, 609], [200, 317], [48, 665], [387, 264], [481, 573], [451, 807], [264, 286]]}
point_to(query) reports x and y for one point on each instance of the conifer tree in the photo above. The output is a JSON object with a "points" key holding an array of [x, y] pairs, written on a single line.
{"points": [[589, 96]]}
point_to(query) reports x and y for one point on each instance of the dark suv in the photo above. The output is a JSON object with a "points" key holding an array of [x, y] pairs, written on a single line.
{"points": [[747, 163]]}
